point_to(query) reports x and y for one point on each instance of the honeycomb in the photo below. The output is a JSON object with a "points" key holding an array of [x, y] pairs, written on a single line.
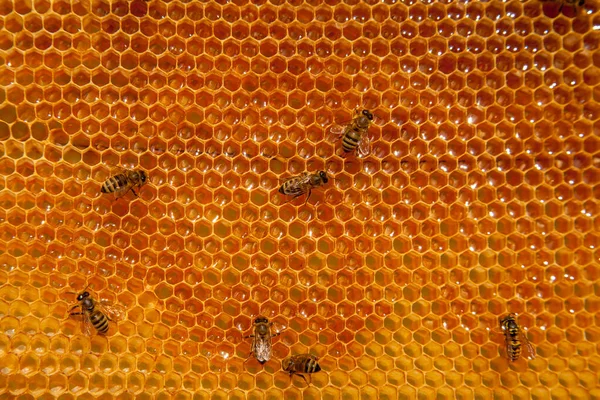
{"points": [[479, 197]]}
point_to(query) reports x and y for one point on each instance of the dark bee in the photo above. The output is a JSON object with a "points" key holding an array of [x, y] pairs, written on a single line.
{"points": [[303, 183], [514, 338], [301, 364], [262, 345], [124, 181], [95, 314], [355, 134]]}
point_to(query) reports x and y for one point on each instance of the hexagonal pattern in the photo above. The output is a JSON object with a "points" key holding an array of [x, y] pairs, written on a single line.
{"points": [[479, 198]]}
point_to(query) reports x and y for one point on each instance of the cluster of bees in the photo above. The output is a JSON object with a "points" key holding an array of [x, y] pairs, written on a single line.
{"points": [[353, 135], [354, 138]]}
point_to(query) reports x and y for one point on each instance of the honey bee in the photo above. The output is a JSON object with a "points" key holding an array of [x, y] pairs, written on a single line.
{"points": [[514, 338], [124, 181], [303, 183], [262, 345], [355, 134], [301, 364], [95, 314]]}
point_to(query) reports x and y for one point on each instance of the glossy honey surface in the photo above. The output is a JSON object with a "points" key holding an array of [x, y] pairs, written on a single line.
{"points": [[479, 197]]}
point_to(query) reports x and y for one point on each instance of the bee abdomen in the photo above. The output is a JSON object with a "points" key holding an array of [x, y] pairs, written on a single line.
{"points": [[515, 352], [312, 366], [99, 321], [114, 183], [350, 141]]}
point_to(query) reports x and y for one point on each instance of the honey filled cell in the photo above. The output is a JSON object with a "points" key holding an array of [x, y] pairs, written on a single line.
{"points": [[397, 199]]}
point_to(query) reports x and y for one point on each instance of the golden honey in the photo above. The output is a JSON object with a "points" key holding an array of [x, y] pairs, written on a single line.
{"points": [[478, 198]]}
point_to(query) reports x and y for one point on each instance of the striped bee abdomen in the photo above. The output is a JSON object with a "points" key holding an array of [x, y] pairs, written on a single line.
{"points": [[514, 346], [99, 321], [114, 183], [350, 140], [312, 366]]}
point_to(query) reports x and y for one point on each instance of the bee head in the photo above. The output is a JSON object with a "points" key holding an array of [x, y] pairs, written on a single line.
{"points": [[82, 296], [260, 320], [323, 176], [143, 176], [367, 114], [510, 319]]}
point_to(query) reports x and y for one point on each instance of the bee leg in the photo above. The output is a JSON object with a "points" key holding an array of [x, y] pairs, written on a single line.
{"points": [[276, 334], [308, 196], [136, 195], [303, 377], [293, 198], [74, 307], [249, 336], [76, 313]]}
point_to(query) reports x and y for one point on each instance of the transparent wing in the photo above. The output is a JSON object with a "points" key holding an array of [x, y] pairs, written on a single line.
{"points": [[338, 130], [304, 179], [364, 146], [528, 350], [122, 191], [262, 348], [114, 312], [86, 324], [301, 180]]}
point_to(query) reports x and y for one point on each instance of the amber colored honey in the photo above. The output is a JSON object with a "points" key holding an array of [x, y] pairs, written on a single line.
{"points": [[479, 197]]}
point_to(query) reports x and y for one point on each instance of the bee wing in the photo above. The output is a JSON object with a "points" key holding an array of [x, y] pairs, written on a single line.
{"points": [[364, 146], [301, 180], [304, 179], [86, 324], [262, 349], [122, 191], [337, 130], [528, 351], [114, 312]]}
